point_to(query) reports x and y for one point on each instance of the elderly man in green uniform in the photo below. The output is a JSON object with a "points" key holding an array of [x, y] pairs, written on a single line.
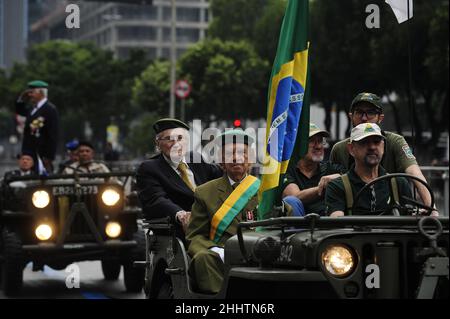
{"points": [[398, 157], [218, 208], [304, 184], [367, 148]]}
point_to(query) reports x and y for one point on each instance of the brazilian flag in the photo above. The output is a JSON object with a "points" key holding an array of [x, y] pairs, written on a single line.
{"points": [[288, 104]]}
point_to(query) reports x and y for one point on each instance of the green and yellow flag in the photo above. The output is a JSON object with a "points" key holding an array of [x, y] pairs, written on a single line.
{"points": [[288, 103]]}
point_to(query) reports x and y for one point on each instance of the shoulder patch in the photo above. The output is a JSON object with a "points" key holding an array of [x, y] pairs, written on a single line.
{"points": [[408, 152]]}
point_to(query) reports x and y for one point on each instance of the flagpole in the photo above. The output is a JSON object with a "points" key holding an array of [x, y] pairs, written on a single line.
{"points": [[410, 82]]}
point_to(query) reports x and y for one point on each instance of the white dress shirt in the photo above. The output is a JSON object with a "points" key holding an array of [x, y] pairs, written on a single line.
{"points": [[39, 105]]}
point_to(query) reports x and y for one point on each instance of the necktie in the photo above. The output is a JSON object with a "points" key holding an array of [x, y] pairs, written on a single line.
{"points": [[235, 185], [182, 168]]}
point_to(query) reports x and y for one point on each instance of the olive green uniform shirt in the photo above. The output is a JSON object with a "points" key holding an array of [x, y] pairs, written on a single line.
{"points": [[397, 155], [208, 198], [375, 198], [295, 176]]}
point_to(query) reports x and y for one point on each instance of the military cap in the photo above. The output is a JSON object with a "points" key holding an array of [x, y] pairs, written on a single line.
{"points": [[314, 130], [168, 123], [86, 143], [369, 98], [364, 130], [234, 136], [37, 84], [25, 152]]}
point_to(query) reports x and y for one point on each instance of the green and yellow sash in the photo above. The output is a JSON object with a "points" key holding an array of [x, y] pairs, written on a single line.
{"points": [[232, 206]]}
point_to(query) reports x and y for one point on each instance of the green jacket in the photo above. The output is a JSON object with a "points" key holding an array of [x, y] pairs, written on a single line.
{"points": [[397, 155], [208, 198]]}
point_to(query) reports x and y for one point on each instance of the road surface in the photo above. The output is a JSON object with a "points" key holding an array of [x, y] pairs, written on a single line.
{"points": [[51, 284]]}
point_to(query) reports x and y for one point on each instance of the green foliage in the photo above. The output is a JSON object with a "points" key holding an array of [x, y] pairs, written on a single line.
{"points": [[235, 20], [6, 123], [151, 90], [267, 29], [141, 138], [255, 21], [86, 84], [346, 58], [228, 80]]}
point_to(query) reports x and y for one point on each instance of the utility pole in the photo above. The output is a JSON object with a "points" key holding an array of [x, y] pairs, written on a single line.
{"points": [[173, 60]]}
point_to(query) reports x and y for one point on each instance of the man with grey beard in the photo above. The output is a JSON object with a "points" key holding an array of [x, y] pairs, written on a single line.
{"points": [[304, 184], [366, 146]]}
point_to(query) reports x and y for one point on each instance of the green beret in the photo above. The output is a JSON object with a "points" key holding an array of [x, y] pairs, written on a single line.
{"points": [[234, 136], [369, 98], [37, 84], [167, 123]]}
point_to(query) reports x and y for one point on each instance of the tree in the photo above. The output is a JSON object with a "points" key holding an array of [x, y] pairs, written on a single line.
{"points": [[86, 84], [151, 90], [267, 29], [228, 79], [339, 54], [235, 20], [255, 21], [347, 58], [141, 138]]}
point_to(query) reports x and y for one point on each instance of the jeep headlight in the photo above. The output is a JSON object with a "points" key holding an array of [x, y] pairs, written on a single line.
{"points": [[338, 260], [113, 229], [110, 197], [40, 199], [43, 232]]}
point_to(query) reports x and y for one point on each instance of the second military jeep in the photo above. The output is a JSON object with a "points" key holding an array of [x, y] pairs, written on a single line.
{"points": [[314, 257], [60, 219]]}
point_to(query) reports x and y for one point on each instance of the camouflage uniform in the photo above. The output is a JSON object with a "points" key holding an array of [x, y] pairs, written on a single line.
{"points": [[92, 167]]}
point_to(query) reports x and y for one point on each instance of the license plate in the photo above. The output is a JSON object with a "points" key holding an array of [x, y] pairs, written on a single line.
{"points": [[73, 246], [70, 190]]}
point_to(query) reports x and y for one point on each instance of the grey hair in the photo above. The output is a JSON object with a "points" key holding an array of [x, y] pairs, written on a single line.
{"points": [[44, 91]]}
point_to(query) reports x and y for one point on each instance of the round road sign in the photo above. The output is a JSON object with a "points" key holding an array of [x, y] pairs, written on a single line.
{"points": [[182, 89]]}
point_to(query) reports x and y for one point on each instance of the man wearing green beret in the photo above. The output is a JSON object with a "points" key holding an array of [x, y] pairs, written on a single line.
{"points": [[398, 156], [218, 208], [40, 135]]}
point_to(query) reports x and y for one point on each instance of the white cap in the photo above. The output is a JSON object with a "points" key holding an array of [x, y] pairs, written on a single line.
{"points": [[364, 130]]}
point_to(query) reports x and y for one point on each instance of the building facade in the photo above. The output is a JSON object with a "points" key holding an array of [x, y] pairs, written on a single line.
{"points": [[13, 32], [123, 27]]}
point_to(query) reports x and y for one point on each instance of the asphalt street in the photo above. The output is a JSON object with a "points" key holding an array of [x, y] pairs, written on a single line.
{"points": [[51, 284]]}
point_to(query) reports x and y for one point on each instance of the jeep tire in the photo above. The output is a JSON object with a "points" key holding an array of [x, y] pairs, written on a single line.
{"points": [[134, 277], [11, 267], [111, 269]]}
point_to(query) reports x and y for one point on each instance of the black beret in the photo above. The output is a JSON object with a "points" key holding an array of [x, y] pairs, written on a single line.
{"points": [[25, 152], [85, 143], [168, 123]]}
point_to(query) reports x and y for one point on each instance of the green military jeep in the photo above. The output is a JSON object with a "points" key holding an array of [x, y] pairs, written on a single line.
{"points": [[60, 219], [314, 257]]}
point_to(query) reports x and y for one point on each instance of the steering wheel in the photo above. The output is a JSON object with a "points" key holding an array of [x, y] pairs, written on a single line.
{"points": [[394, 207]]}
